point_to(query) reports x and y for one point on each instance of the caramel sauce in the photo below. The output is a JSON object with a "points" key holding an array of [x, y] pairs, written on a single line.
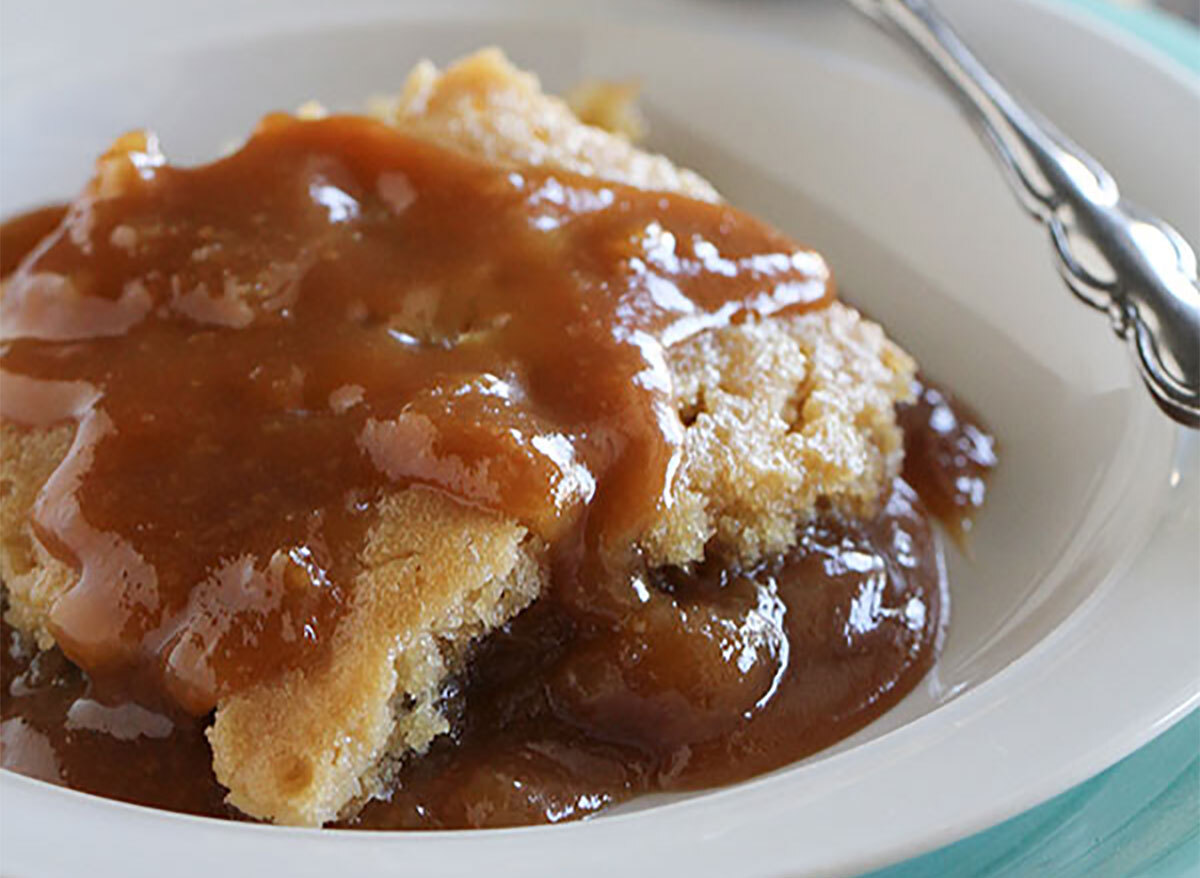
{"points": [[54, 729], [948, 454], [722, 674], [255, 350], [19, 235]]}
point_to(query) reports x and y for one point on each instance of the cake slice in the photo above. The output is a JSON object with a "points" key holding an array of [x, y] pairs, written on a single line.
{"points": [[779, 419]]}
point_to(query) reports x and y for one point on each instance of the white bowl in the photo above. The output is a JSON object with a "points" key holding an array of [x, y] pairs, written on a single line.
{"points": [[1073, 631]]}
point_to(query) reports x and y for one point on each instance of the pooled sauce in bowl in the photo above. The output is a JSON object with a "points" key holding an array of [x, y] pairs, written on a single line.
{"points": [[730, 673], [255, 350]]}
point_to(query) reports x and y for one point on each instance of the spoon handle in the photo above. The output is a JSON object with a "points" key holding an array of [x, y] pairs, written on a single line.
{"points": [[1113, 255]]}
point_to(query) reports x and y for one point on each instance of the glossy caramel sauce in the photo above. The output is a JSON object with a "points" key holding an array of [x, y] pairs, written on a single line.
{"points": [[347, 347], [256, 349], [19, 235], [948, 454], [722, 674], [54, 729]]}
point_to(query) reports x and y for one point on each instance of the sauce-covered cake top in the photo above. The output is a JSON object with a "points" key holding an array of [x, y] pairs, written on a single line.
{"points": [[256, 349]]}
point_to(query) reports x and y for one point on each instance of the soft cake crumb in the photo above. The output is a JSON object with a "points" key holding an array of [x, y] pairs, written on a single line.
{"points": [[486, 107]]}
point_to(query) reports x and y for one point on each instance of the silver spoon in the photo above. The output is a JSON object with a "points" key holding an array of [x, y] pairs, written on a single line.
{"points": [[1113, 255]]}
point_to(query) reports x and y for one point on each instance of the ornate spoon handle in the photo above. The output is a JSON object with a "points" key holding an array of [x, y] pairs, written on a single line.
{"points": [[1113, 255]]}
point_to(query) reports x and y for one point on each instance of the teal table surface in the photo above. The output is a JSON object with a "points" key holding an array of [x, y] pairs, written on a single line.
{"points": [[1141, 817]]}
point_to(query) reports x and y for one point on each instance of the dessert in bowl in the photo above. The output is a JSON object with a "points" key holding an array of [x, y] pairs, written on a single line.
{"points": [[456, 465]]}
